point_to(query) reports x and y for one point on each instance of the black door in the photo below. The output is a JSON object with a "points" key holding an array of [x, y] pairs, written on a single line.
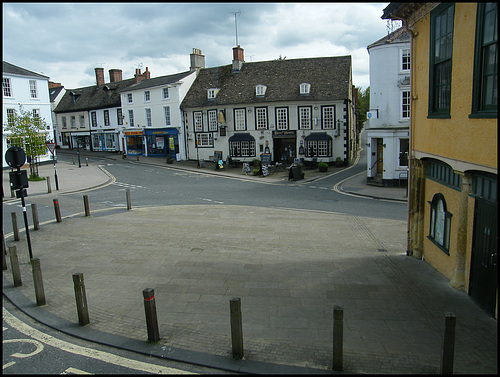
{"points": [[483, 274], [284, 150]]}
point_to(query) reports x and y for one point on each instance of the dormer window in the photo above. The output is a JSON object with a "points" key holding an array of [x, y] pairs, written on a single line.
{"points": [[305, 88], [211, 93], [260, 90]]}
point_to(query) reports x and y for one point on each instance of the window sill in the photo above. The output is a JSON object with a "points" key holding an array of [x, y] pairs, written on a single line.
{"points": [[492, 114], [447, 252]]}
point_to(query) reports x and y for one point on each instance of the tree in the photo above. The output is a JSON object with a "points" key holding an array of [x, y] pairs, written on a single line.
{"points": [[363, 105], [27, 131]]}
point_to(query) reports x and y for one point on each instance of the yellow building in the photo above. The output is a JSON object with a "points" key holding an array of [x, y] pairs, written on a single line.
{"points": [[452, 211]]}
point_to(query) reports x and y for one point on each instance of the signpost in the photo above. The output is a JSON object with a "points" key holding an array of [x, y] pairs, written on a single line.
{"points": [[51, 147], [15, 158]]}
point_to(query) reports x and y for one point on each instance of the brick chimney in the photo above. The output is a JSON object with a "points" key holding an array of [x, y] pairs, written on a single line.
{"points": [[115, 75], [197, 60], [54, 84], [139, 77], [99, 76], [238, 59]]}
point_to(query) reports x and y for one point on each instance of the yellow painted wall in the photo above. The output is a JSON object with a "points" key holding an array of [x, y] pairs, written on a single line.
{"points": [[460, 138]]}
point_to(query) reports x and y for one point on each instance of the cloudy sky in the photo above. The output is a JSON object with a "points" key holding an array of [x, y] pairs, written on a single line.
{"points": [[67, 41]]}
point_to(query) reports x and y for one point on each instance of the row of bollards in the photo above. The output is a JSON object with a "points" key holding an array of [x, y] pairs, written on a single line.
{"points": [[57, 211]]}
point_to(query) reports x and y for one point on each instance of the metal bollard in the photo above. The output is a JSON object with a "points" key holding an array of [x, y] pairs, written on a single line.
{"points": [[38, 281], [129, 203], [73, 157], [57, 210], [448, 351], [81, 299], [16, 271], [236, 327], [338, 338], [15, 228], [151, 319], [86, 205], [86, 161], [34, 212], [49, 189]]}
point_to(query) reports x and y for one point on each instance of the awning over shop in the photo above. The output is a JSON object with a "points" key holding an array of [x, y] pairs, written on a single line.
{"points": [[241, 137], [318, 136]]}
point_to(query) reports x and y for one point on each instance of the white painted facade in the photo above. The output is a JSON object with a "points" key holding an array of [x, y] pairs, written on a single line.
{"points": [[387, 126], [156, 108], [17, 91]]}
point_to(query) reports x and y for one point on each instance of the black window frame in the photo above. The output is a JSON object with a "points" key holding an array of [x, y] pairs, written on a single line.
{"points": [[479, 109], [446, 225], [445, 64]]}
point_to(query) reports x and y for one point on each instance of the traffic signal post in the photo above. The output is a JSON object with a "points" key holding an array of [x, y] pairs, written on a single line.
{"points": [[15, 158]]}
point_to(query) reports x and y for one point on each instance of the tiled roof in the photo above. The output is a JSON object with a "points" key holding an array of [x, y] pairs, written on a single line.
{"points": [[157, 81], [54, 92], [93, 97], [330, 79], [15, 70]]}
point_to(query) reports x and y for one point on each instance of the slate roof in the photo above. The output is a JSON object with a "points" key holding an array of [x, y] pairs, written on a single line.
{"points": [[15, 70], [397, 36], [329, 78], [157, 81], [54, 92], [93, 97]]}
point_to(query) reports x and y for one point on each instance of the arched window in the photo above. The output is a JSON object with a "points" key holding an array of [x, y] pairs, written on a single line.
{"points": [[439, 230]]}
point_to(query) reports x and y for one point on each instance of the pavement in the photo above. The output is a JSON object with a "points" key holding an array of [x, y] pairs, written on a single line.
{"points": [[290, 268]]}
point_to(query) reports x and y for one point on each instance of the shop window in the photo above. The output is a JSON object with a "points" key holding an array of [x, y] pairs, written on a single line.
{"points": [[440, 223]]}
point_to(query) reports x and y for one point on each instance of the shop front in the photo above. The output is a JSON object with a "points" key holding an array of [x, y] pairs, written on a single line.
{"points": [[104, 141], [162, 142], [133, 143], [80, 140]]}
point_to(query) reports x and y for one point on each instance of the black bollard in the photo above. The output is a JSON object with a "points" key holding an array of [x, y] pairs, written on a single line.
{"points": [[86, 205], [14, 262], [129, 203], [448, 351], [338, 338], [81, 299], [57, 210], [151, 318], [236, 327]]}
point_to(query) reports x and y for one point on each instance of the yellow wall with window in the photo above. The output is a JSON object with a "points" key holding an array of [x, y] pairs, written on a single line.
{"points": [[433, 135]]}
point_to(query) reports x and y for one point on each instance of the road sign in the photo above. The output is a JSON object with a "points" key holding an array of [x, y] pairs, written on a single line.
{"points": [[15, 157], [52, 147]]}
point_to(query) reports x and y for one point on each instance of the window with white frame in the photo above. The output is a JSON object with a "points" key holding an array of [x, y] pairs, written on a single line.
{"points": [[166, 115], [149, 122], [212, 120], [204, 140], [165, 94], [198, 121], [242, 148], [129, 97], [33, 89], [239, 120], [64, 123], [282, 118], [405, 104], [131, 118], [73, 121], [260, 90], [7, 87], [119, 116], [261, 118], [93, 117], [147, 96], [211, 93], [322, 147], [405, 59], [106, 118], [82, 121], [11, 115], [305, 88], [328, 117], [305, 118], [318, 148], [36, 116]]}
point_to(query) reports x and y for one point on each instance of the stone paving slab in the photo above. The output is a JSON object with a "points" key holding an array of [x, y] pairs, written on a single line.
{"points": [[289, 279]]}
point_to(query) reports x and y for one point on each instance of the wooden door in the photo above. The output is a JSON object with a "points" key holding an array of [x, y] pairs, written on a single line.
{"points": [[380, 156], [483, 271]]}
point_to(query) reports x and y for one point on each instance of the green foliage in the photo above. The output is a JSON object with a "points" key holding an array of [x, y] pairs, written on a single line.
{"points": [[322, 165], [27, 132], [363, 106]]}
